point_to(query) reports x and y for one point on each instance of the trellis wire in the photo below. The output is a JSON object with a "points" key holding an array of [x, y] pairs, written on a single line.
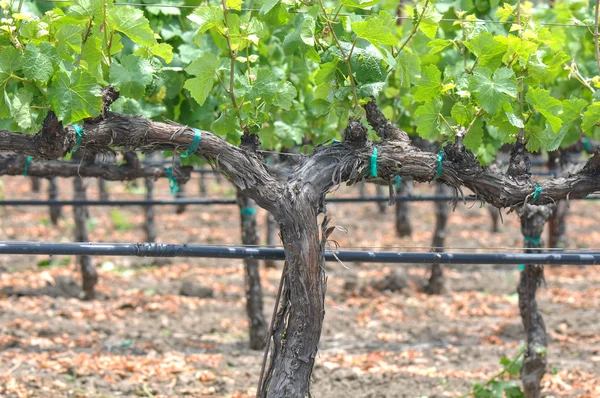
{"points": [[239, 252], [209, 202], [478, 21]]}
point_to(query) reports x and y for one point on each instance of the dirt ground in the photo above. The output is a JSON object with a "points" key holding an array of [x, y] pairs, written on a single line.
{"points": [[142, 338]]}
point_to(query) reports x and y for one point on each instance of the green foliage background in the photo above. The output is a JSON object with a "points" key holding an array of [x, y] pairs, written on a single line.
{"points": [[293, 71]]}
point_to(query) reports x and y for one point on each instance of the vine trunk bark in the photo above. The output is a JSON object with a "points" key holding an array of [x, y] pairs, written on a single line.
{"points": [[35, 184], [89, 275], [533, 219], [403, 226], [180, 194], [299, 319], [435, 284], [381, 206], [149, 212], [254, 296], [55, 211], [102, 189], [202, 183]]}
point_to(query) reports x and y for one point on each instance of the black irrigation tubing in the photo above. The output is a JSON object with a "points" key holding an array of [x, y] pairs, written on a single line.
{"points": [[206, 251], [209, 202]]}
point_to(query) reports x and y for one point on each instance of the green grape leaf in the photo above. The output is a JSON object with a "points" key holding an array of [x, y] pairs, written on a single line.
{"points": [[326, 72], [270, 89], [463, 114], [438, 45], [69, 41], [504, 12], [92, 58], [268, 6], [133, 24], [430, 85], [86, 9], [360, 3], [302, 38], [430, 21], [74, 97], [474, 137], [163, 50], [548, 106], [568, 134], [427, 119], [204, 69], [591, 118], [208, 17], [514, 120], [37, 63], [10, 62], [131, 75], [227, 126], [284, 95], [409, 68], [537, 137], [493, 91], [486, 47], [234, 4], [378, 29], [21, 109]]}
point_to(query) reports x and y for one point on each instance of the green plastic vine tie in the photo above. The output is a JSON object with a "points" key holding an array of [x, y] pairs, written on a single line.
{"points": [[374, 162], [194, 145], [79, 132], [532, 239], [26, 167], [397, 182], [521, 267], [334, 141], [172, 181], [537, 192], [247, 211], [440, 166], [587, 145]]}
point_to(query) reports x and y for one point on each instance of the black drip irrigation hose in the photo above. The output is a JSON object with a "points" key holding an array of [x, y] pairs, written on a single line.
{"points": [[208, 201], [204, 251]]}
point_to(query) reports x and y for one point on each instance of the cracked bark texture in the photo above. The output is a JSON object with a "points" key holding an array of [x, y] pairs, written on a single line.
{"points": [[435, 284], [533, 219], [252, 284]]}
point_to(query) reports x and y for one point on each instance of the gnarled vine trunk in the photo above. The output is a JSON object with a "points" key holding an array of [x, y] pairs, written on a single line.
{"points": [[380, 205], [435, 284], [299, 320], [535, 361]]}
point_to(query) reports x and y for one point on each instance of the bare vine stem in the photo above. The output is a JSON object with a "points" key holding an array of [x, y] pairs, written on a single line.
{"points": [[346, 58], [415, 28], [522, 77]]}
